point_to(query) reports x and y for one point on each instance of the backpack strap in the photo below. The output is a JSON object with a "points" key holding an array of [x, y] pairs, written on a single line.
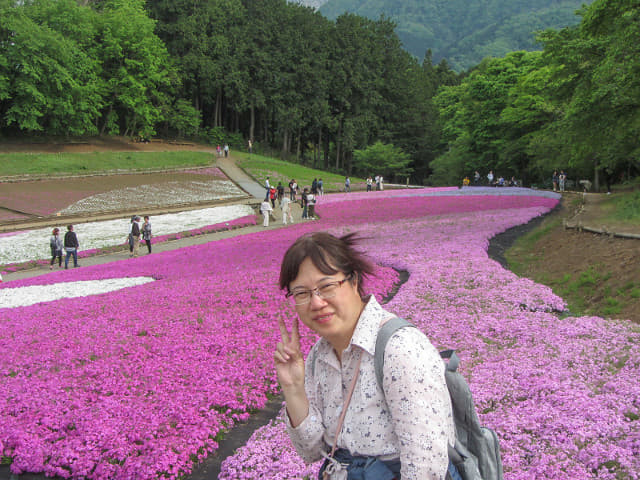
{"points": [[384, 334]]}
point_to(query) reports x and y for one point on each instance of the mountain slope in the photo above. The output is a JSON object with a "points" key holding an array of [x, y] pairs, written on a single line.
{"points": [[464, 31]]}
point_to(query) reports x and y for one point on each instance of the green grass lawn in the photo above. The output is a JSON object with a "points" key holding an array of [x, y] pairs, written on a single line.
{"points": [[260, 167], [79, 163]]}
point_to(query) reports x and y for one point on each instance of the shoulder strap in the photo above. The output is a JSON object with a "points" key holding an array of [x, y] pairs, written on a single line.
{"points": [[384, 334]]}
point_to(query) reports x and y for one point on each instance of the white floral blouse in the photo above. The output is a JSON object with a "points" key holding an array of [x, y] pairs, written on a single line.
{"points": [[413, 421]]}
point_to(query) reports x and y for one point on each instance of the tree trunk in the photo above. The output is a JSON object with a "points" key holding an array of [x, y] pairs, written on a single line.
{"points": [[252, 124], [299, 145], [285, 143], [338, 146], [218, 109], [327, 145], [596, 175]]}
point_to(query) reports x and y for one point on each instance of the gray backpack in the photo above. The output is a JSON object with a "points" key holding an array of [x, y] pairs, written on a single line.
{"points": [[476, 453]]}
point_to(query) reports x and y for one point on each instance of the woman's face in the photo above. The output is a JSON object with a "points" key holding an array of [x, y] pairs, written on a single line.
{"points": [[333, 318]]}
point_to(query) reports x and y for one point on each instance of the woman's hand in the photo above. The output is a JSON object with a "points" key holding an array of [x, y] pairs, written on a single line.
{"points": [[288, 357], [290, 370]]}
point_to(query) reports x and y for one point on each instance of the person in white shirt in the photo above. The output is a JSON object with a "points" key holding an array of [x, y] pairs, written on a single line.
{"points": [[404, 425], [286, 210], [265, 209]]}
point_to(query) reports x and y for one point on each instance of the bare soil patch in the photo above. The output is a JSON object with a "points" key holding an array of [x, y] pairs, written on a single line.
{"points": [[596, 274]]}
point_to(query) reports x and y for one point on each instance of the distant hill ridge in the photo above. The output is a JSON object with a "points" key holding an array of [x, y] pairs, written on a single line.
{"points": [[462, 31]]}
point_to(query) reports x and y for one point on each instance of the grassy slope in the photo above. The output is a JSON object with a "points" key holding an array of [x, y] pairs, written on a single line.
{"points": [[81, 163], [591, 285]]}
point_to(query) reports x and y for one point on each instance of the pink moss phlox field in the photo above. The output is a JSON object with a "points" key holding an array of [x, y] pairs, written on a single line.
{"points": [[562, 393], [138, 382]]}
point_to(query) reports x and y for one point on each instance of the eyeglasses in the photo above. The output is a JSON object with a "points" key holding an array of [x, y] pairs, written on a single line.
{"points": [[328, 290]]}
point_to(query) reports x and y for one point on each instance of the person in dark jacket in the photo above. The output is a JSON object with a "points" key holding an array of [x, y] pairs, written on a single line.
{"points": [[71, 246]]}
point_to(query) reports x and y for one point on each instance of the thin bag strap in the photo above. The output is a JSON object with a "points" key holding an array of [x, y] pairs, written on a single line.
{"points": [[346, 405]]}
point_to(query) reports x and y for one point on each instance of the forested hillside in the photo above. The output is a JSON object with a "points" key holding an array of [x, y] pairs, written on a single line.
{"points": [[341, 95], [465, 31]]}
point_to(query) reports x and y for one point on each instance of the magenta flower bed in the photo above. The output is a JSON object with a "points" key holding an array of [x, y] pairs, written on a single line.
{"points": [[138, 383]]}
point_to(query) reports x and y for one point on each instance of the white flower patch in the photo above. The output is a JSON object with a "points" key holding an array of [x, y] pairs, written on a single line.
{"points": [[154, 195], [34, 244], [25, 296]]}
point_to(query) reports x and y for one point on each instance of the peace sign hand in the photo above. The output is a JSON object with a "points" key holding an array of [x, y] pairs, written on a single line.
{"points": [[288, 357]]}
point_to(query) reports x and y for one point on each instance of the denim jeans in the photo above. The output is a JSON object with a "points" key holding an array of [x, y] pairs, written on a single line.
{"points": [[74, 252]]}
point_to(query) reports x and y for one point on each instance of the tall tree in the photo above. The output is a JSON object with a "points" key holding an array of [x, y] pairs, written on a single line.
{"points": [[48, 79]]}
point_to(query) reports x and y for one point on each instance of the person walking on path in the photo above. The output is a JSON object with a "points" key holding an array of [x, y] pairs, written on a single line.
{"points": [[554, 180], [267, 186], [71, 245], [347, 184], [304, 203], [280, 189], [146, 232], [135, 235], [55, 242], [130, 236], [369, 183], [311, 205], [265, 209], [286, 210], [226, 150], [320, 187], [562, 178], [293, 187]]}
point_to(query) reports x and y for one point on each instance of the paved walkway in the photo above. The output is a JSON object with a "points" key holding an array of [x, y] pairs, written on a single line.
{"points": [[236, 174]]}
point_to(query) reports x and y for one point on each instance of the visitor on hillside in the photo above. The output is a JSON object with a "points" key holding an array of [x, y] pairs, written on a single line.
{"points": [[381, 182], [377, 179], [280, 190], [311, 205], [219, 150], [304, 203], [320, 187], [314, 186], [287, 216], [562, 178], [267, 186], [265, 209], [292, 190], [146, 233], [465, 182], [135, 236], [273, 194], [226, 150], [369, 183], [476, 178], [250, 146], [71, 245], [347, 184], [55, 242], [554, 180], [490, 178], [400, 428]]}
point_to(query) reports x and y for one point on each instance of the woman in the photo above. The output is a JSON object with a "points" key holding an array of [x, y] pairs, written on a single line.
{"points": [[146, 232], [55, 242], [402, 426]]}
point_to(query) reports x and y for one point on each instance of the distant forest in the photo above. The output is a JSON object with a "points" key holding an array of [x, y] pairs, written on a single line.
{"points": [[340, 94], [465, 31]]}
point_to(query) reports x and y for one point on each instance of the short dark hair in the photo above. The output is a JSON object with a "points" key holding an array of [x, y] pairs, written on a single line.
{"points": [[330, 255], [69, 227]]}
